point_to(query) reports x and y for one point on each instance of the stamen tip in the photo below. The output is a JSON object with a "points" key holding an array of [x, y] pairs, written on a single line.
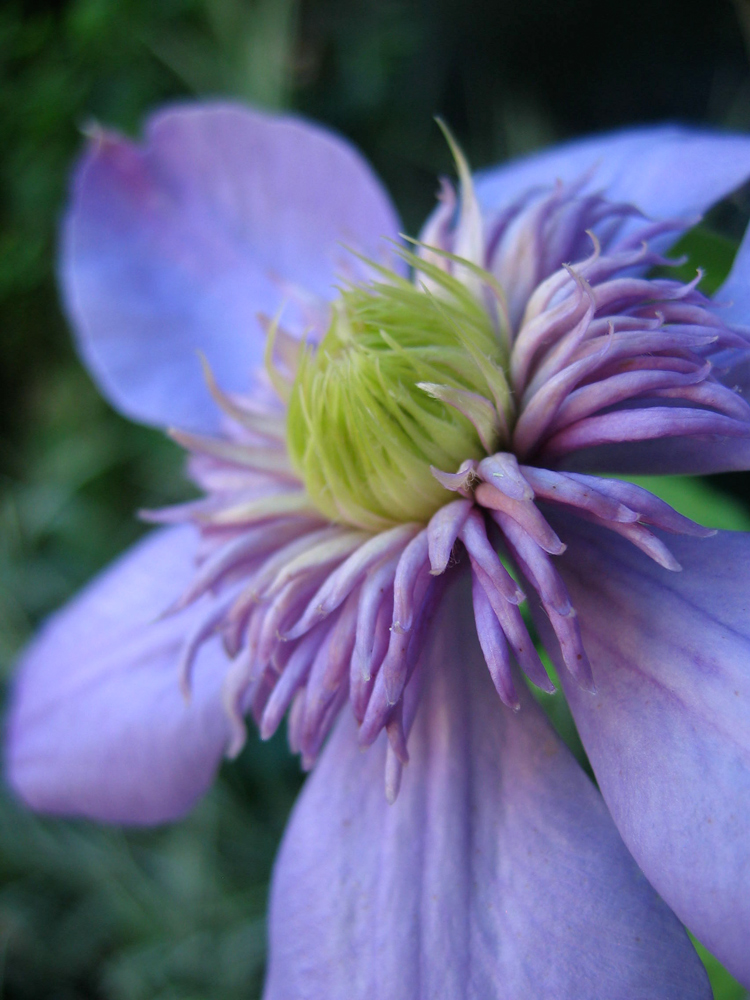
{"points": [[668, 561], [626, 516], [172, 609], [235, 745], [585, 681], [266, 730]]}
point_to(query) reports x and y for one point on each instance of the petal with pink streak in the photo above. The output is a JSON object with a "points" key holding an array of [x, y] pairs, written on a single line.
{"points": [[97, 724], [497, 873], [667, 731], [173, 247]]}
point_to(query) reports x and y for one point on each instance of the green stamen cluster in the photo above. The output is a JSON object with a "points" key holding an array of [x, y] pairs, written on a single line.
{"points": [[405, 378]]}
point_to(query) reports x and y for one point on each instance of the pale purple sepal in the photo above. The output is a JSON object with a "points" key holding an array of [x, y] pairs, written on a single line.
{"points": [[173, 247], [667, 732], [665, 171], [97, 724], [497, 872]]}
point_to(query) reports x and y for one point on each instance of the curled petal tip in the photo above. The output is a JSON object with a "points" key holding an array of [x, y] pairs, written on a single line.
{"points": [[393, 773], [170, 610]]}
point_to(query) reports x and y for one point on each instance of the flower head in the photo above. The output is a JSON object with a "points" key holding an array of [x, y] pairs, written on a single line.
{"points": [[404, 379], [413, 460]]}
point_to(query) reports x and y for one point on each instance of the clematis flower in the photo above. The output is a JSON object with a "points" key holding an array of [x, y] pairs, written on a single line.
{"points": [[397, 446]]}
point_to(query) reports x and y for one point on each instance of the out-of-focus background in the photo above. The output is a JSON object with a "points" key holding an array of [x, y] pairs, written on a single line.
{"points": [[87, 912]]}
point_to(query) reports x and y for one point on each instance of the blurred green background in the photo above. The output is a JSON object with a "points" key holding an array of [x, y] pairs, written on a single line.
{"points": [[87, 912]]}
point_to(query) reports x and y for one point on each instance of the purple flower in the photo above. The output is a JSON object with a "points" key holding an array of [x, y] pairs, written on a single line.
{"points": [[392, 460]]}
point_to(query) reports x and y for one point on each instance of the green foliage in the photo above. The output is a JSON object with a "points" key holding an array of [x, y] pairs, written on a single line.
{"points": [[706, 249], [725, 987], [698, 500], [174, 913]]}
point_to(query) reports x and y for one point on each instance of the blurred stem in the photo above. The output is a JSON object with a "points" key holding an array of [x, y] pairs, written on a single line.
{"points": [[245, 50], [264, 61]]}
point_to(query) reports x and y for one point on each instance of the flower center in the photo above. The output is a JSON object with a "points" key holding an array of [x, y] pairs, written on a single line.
{"points": [[408, 376]]}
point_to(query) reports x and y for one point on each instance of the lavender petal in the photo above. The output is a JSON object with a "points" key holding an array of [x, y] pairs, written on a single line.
{"points": [[455, 889], [171, 247], [98, 726], [667, 731]]}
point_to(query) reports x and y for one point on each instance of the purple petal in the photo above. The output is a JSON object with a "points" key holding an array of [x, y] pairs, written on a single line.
{"points": [[442, 532], [678, 455], [98, 726], [666, 171], [496, 873], [494, 646], [665, 456], [684, 439], [667, 732], [175, 246]]}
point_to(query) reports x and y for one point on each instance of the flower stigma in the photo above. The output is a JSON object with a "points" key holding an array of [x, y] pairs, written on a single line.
{"points": [[408, 376]]}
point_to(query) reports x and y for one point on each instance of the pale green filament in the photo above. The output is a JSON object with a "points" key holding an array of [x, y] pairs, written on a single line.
{"points": [[375, 404]]}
